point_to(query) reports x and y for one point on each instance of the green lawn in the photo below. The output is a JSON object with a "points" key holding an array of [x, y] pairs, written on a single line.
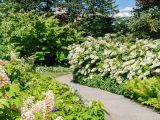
{"points": [[53, 74]]}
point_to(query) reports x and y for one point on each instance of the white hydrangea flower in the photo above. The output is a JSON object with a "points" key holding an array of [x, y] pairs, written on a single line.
{"points": [[4, 80], [116, 59], [59, 118], [45, 106]]}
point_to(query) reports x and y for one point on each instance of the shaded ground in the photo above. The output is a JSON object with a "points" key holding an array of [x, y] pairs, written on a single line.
{"points": [[118, 106]]}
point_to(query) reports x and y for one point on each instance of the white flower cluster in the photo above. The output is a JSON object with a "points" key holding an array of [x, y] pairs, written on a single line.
{"points": [[116, 59], [4, 80], [45, 106]]}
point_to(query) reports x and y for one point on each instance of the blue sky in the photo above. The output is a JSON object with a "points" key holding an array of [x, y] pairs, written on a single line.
{"points": [[125, 7], [125, 3]]}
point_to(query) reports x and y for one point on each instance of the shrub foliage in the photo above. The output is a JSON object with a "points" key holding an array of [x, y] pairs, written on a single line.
{"points": [[38, 36]]}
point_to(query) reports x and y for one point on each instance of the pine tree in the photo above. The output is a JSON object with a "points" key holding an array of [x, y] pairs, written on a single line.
{"points": [[104, 7]]}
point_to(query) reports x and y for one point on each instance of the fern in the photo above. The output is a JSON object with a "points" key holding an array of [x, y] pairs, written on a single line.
{"points": [[146, 92]]}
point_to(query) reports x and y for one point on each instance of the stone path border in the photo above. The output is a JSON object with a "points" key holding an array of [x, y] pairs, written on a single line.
{"points": [[119, 107]]}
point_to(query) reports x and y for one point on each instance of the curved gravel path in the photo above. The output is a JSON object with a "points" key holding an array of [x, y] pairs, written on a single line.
{"points": [[119, 107]]}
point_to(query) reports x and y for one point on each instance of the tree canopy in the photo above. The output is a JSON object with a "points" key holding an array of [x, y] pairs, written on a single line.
{"points": [[146, 4], [104, 7]]}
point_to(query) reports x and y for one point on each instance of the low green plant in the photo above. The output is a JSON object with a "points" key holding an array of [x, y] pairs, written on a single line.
{"points": [[146, 92], [98, 81]]}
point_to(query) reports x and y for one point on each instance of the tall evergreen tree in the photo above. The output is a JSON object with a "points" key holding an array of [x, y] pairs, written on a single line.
{"points": [[27, 5], [104, 7]]}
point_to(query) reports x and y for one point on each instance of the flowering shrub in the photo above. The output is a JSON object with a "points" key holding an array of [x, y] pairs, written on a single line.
{"points": [[59, 101], [118, 60], [45, 106], [4, 80]]}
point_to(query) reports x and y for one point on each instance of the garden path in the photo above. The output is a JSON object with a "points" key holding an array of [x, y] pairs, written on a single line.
{"points": [[119, 107]]}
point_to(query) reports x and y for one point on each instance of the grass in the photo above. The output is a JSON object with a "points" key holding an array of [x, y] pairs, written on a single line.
{"points": [[54, 74]]}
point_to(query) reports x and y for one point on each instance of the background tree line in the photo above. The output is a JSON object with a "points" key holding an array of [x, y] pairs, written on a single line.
{"points": [[33, 30]]}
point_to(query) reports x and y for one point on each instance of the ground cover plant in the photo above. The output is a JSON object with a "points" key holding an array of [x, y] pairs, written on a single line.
{"points": [[102, 82], [118, 59], [146, 91], [41, 97]]}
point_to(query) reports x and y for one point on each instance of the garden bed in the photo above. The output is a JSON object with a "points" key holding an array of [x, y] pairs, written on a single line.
{"points": [[62, 101]]}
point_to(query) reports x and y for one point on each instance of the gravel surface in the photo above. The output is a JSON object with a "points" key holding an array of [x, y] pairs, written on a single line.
{"points": [[119, 107]]}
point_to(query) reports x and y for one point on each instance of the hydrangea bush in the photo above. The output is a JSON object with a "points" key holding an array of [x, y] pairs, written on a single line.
{"points": [[4, 80], [118, 59], [43, 107]]}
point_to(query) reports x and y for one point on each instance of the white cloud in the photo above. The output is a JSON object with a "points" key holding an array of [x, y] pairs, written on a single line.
{"points": [[126, 9], [123, 14], [126, 12]]}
